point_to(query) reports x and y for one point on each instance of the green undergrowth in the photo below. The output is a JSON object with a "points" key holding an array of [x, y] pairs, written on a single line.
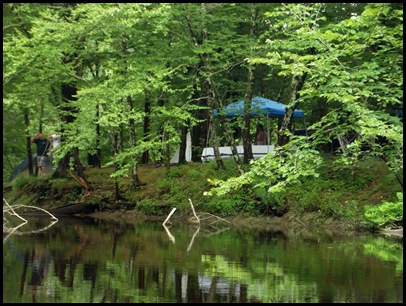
{"points": [[340, 195]]}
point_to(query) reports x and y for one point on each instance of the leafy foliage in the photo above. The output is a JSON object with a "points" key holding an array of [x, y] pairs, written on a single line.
{"points": [[284, 166], [387, 213], [349, 65]]}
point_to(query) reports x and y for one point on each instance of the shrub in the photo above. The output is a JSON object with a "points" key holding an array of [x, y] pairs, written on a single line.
{"points": [[175, 172], [226, 205], [268, 202], [386, 213], [150, 207]]}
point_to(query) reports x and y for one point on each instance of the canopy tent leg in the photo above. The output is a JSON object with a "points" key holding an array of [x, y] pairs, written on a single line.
{"points": [[207, 141], [305, 127], [208, 135], [268, 136]]}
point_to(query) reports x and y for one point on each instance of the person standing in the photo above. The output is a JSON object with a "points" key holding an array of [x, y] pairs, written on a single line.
{"points": [[260, 137], [43, 148]]}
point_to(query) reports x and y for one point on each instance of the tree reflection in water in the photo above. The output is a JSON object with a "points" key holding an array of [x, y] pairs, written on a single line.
{"points": [[83, 260]]}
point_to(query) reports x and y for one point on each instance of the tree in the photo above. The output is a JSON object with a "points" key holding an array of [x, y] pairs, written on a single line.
{"points": [[340, 60], [149, 71], [17, 84]]}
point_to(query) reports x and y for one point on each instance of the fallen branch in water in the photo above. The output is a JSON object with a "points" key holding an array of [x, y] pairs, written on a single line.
{"points": [[193, 239], [293, 217], [196, 219], [171, 238], [194, 213], [210, 216], [28, 206], [167, 218], [215, 233], [12, 213], [10, 210]]}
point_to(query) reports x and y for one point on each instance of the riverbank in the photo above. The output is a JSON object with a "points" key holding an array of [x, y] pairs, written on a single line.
{"points": [[335, 201], [287, 223]]}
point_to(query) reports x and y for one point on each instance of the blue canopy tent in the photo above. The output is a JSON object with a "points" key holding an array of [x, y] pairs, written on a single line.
{"points": [[259, 106]]}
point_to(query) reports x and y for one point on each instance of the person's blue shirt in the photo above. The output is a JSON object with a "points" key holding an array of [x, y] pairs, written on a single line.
{"points": [[42, 146]]}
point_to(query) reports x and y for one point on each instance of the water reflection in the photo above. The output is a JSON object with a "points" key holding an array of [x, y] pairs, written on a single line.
{"points": [[82, 260]]}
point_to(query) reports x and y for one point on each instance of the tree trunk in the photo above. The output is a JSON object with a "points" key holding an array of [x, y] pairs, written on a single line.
{"points": [[117, 148], [41, 115], [63, 165], [167, 152], [98, 133], [79, 170], [147, 110], [219, 160], [282, 89], [228, 134], [246, 132], [96, 159], [211, 89], [297, 84], [135, 181], [28, 143], [69, 92], [212, 105], [198, 133], [182, 147]]}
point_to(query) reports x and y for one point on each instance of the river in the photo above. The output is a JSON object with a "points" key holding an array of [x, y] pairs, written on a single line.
{"points": [[84, 260]]}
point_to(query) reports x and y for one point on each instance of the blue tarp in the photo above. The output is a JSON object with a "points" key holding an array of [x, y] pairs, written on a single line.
{"points": [[22, 167], [259, 106]]}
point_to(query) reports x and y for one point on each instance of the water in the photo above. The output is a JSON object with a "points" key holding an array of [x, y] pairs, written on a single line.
{"points": [[81, 260]]}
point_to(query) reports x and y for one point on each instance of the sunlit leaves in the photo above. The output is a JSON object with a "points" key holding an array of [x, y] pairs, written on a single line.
{"points": [[386, 213], [275, 171]]}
